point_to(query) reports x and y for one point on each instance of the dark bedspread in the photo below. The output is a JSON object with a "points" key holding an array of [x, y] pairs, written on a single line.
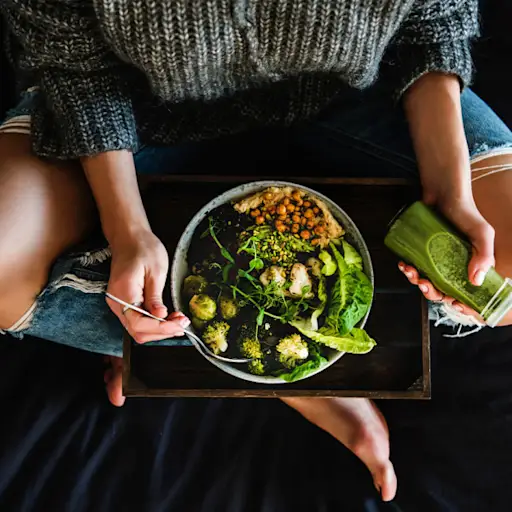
{"points": [[64, 448]]}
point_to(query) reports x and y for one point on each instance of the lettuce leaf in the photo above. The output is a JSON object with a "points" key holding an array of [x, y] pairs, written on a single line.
{"points": [[356, 342], [329, 265], [351, 297], [351, 256]]}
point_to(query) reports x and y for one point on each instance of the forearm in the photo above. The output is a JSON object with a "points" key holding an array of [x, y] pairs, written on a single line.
{"points": [[433, 110], [113, 182]]}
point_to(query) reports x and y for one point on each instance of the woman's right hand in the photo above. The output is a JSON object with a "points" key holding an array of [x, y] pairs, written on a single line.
{"points": [[138, 276]]}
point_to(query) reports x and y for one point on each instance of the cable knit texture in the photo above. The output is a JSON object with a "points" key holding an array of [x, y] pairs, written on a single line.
{"points": [[117, 73]]}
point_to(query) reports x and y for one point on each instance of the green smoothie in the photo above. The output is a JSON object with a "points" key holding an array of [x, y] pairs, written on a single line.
{"points": [[426, 241]]}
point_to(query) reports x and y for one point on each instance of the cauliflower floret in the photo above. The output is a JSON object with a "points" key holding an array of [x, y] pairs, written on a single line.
{"points": [[251, 347], [292, 350], [215, 336], [300, 279], [273, 274]]}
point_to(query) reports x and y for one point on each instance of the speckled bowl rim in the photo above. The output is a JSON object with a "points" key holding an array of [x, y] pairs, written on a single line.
{"points": [[179, 268]]}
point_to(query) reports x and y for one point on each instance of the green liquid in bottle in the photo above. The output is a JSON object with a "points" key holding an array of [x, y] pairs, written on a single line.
{"points": [[426, 241]]}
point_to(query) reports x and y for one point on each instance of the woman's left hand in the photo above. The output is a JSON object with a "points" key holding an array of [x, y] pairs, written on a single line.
{"points": [[463, 214]]}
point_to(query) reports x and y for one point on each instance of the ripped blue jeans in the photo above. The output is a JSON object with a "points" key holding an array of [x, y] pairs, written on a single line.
{"points": [[363, 132]]}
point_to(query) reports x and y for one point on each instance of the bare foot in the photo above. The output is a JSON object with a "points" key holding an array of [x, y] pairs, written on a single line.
{"points": [[114, 380], [358, 425]]}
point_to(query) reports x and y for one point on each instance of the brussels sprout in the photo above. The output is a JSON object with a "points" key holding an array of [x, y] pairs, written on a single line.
{"points": [[194, 285], [203, 307], [228, 307], [198, 324]]}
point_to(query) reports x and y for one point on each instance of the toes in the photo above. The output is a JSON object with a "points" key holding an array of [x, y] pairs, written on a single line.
{"points": [[115, 382], [385, 481]]}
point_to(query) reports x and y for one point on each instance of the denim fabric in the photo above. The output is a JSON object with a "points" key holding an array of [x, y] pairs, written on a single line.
{"points": [[364, 133]]}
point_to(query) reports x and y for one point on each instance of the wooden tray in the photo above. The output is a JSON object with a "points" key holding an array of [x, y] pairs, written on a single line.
{"points": [[398, 367]]}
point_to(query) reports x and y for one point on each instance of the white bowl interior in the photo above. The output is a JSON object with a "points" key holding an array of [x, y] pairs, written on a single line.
{"points": [[180, 268]]}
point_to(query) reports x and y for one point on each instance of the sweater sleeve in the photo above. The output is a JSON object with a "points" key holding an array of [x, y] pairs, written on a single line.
{"points": [[436, 36], [84, 107]]}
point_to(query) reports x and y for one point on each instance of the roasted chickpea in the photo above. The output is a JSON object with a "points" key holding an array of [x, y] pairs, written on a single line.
{"points": [[255, 213], [306, 235], [310, 224], [281, 228], [315, 241], [286, 201], [308, 213], [272, 209], [260, 219], [296, 218], [269, 195], [300, 202], [295, 228], [319, 230], [303, 221], [316, 210], [282, 217], [307, 204], [290, 208], [281, 209], [296, 195]]}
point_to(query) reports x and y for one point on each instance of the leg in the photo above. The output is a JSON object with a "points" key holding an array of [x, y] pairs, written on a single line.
{"points": [[44, 209], [493, 196]]}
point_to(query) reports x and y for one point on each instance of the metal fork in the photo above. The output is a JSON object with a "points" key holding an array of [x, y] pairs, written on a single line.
{"points": [[200, 345]]}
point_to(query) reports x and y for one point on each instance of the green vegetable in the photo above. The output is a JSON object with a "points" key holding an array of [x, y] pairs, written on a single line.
{"points": [[313, 363], [352, 257], [251, 347], [197, 324], [356, 342], [329, 267], [228, 307], [291, 350], [215, 335], [322, 296], [225, 253], [256, 367], [194, 285], [351, 297], [203, 307]]}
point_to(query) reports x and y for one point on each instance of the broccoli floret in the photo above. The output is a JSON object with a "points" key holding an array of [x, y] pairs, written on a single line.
{"points": [[215, 335], [256, 367], [228, 307], [292, 350], [194, 285], [251, 347], [203, 307]]}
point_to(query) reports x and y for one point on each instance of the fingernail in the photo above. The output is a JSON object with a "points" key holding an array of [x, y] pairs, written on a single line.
{"points": [[424, 288], [408, 274], [184, 322], [401, 266], [458, 308], [480, 277]]}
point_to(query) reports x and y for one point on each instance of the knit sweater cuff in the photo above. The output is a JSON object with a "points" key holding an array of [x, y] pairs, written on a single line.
{"points": [[451, 57], [83, 115]]}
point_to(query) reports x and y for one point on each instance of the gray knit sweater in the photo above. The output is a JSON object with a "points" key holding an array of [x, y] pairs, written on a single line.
{"points": [[118, 73]]}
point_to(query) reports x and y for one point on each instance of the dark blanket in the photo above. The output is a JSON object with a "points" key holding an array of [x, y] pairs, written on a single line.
{"points": [[63, 448]]}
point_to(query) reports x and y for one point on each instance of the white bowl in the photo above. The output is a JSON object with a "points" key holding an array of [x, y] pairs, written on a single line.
{"points": [[180, 268]]}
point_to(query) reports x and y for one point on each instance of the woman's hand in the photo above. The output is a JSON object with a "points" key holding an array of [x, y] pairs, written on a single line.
{"points": [[138, 276], [462, 213]]}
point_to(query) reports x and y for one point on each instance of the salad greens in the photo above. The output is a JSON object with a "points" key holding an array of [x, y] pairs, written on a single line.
{"points": [[276, 286]]}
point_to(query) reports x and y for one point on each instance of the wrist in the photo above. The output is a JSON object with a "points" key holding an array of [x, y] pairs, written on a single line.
{"points": [[127, 234]]}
